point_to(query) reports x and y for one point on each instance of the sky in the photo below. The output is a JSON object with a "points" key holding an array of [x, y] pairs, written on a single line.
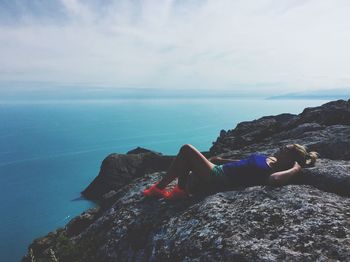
{"points": [[258, 46]]}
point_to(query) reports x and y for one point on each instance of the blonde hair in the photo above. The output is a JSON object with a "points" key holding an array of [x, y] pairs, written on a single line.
{"points": [[304, 158]]}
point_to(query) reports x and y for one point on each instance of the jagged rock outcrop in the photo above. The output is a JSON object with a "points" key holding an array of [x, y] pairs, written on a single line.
{"points": [[287, 127], [117, 170], [307, 220]]}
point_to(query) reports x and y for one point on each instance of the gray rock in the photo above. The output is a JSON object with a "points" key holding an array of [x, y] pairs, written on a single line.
{"points": [[117, 170], [274, 128]]}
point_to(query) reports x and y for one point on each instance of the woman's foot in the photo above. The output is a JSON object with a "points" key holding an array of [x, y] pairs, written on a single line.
{"points": [[177, 193], [154, 191]]}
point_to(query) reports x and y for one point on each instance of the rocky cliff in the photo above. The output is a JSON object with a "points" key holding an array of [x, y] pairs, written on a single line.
{"points": [[308, 220]]}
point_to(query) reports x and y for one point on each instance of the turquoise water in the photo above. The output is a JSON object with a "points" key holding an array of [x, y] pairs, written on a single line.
{"points": [[51, 150]]}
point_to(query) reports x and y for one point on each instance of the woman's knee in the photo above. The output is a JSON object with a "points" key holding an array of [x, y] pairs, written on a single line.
{"points": [[186, 148]]}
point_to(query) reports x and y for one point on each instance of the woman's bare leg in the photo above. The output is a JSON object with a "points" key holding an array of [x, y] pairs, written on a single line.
{"points": [[188, 159]]}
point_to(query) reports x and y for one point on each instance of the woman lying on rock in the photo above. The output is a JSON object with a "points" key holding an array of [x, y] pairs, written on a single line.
{"points": [[257, 169]]}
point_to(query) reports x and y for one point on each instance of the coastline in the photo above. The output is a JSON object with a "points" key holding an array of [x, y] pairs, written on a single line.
{"points": [[319, 128]]}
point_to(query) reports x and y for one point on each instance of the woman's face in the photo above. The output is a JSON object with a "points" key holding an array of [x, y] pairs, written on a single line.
{"points": [[284, 155], [286, 148]]}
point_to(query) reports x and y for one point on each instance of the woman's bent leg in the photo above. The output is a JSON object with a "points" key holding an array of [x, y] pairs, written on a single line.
{"points": [[188, 158], [182, 181]]}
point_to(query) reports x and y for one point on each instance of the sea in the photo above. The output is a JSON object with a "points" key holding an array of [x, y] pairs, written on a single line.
{"points": [[50, 150]]}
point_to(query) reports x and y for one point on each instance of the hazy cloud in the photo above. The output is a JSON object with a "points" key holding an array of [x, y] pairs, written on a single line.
{"points": [[255, 45]]}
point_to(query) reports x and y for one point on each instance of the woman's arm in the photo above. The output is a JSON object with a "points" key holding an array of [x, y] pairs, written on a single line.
{"points": [[219, 161], [281, 178]]}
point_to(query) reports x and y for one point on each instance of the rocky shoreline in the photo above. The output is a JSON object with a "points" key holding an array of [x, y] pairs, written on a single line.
{"points": [[307, 220]]}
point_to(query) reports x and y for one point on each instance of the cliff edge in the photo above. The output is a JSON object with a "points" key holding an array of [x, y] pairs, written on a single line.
{"points": [[306, 220]]}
